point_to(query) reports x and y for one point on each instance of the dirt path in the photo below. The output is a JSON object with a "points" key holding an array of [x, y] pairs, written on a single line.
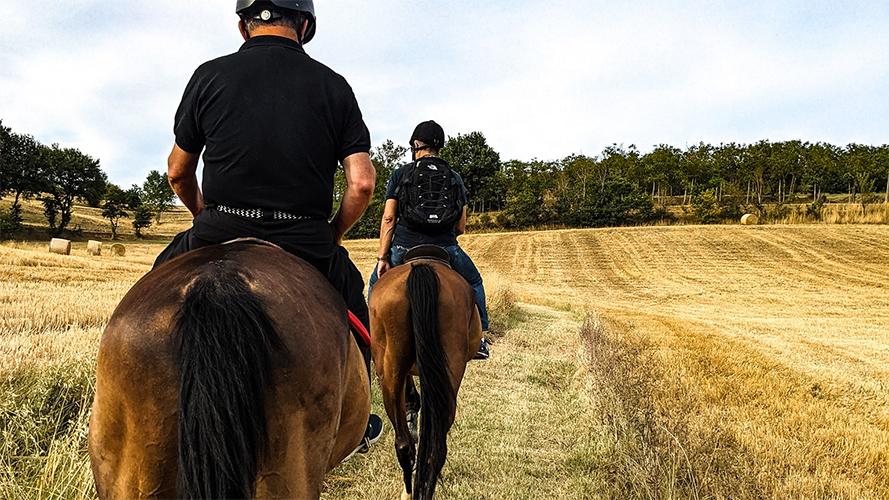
{"points": [[525, 426]]}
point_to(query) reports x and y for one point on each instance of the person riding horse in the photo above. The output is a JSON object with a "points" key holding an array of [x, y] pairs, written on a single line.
{"points": [[409, 220], [273, 124]]}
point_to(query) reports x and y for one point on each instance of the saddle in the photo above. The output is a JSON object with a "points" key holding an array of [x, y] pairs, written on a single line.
{"points": [[253, 241], [433, 252]]}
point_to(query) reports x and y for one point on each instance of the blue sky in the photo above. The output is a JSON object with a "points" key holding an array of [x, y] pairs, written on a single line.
{"points": [[540, 79]]}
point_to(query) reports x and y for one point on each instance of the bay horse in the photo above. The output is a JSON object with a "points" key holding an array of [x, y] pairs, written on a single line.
{"points": [[228, 372], [424, 323]]}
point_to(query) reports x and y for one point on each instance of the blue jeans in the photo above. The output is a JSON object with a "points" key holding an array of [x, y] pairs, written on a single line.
{"points": [[459, 261]]}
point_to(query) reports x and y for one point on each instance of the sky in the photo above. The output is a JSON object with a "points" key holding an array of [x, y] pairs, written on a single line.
{"points": [[541, 79]]}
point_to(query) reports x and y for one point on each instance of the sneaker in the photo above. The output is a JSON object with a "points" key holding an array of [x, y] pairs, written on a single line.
{"points": [[483, 352], [373, 434]]}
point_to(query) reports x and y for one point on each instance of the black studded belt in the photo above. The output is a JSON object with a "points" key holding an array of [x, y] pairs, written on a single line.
{"points": [[261, 213]]}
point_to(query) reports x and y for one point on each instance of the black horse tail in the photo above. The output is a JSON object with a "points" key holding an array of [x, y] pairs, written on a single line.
{"points": [[436, 392], [224, 343]]}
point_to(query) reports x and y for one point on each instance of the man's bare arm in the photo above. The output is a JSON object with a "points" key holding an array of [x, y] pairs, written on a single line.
{"points": [[387, 227], [360, 181], [387, 231], [182, 168], [460, 228]]}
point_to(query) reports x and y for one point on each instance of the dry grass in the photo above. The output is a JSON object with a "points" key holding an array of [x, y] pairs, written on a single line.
{"points": [[774, 336], [89, 221], [836, 213], [738, 362]]}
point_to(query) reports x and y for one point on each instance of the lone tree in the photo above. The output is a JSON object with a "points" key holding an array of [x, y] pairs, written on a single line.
{"points": [[141, 221], [19, 162], [142, 216], [114, 208], [66, 174], [157, 195]]}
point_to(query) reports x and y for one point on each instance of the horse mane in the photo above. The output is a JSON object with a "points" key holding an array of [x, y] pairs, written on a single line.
{"points": [[224, 345]]}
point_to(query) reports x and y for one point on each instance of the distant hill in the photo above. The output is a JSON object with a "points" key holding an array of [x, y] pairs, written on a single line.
{"points": [[87, 222]]}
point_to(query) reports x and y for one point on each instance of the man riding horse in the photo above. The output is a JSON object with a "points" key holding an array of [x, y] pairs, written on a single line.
{"points": [[426, 205], [273, 124]]}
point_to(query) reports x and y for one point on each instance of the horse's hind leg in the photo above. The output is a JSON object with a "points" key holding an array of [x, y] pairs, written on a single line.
{"points": [[413, 408], [393, 387], [132, 446]]}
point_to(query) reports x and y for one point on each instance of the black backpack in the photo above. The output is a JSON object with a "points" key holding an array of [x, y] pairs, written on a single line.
{"points": [[429, 197]]}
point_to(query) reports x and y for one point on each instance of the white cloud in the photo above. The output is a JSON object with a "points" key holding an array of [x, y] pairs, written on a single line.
{"points": [[540, 81]]}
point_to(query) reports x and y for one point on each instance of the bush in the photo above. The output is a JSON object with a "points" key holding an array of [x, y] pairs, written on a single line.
{"points": [[706, 207], [10, 221], [814, 210], [618, 203], [779, 212], [142, 219], [527, 209]]}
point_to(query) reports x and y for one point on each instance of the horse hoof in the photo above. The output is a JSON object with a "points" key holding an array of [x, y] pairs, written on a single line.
{"points": [[405, 495]]}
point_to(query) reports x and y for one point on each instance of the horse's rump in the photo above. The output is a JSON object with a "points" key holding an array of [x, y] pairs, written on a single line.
{"points": [[207, 343]]}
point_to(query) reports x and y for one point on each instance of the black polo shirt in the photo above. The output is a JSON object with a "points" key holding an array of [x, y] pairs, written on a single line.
{"points": [[273, 124]]}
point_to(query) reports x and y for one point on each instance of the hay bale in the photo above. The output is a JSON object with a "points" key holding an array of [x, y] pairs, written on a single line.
{"points": [[94, 247], [118, 250], [60, 246], [750, 220]]}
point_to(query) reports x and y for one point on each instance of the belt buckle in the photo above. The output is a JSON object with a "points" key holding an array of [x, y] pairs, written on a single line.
{"points": [[268, 215]]}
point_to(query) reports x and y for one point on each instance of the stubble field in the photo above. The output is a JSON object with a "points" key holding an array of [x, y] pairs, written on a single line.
{"points": [[673, 362]]}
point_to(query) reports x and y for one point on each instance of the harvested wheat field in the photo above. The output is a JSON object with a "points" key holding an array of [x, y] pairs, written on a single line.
{"points": [[673, 362]]}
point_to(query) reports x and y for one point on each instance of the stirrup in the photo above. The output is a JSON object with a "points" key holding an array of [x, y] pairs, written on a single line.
{"points": [[367, 441], [362, 448]]}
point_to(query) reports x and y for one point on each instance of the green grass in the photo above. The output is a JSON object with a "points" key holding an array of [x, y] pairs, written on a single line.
{"points": [[525, 426]]}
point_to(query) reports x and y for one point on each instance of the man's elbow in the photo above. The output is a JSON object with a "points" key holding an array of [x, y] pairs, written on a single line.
{"points": [[176, 180], [176, 175], [364, 189]]}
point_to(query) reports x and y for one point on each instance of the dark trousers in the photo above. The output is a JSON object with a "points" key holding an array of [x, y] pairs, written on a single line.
{"points": [[308, 240]]}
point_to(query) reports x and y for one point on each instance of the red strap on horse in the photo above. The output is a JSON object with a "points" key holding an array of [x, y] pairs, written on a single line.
{"points": [[357, 326]]}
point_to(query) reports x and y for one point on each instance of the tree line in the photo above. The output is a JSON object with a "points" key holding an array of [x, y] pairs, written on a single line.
{"points": [[619, 186], [58, 177], [624, 186]]}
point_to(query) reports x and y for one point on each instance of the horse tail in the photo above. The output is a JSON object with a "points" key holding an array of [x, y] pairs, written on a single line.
{"points": [[224, 343], [438, 401]]}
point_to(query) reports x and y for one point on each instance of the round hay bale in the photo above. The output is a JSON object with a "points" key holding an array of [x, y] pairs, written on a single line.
{"points": [[118, 250], [60, 246], [750, 220], [94, 247]]}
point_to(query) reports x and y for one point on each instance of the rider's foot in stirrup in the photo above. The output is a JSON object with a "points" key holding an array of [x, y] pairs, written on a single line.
{"points": [[373, 433], [483, 352]]}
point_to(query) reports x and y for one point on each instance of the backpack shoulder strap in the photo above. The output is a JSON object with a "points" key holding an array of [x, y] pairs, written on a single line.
{"points": [[407, 171]]}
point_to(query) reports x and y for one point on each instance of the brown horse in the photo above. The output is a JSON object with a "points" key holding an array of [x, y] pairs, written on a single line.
{"points": [[433, 334], [228, 372]]}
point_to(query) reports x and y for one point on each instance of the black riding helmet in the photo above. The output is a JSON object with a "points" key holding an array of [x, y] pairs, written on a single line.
{"points": [[429, 133], [306, 7]]}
